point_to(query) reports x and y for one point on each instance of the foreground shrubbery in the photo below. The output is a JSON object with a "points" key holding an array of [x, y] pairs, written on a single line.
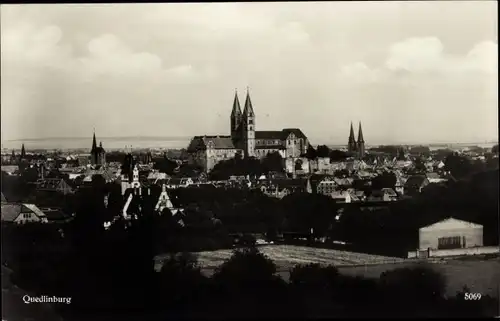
{"points": [[112, 274]]}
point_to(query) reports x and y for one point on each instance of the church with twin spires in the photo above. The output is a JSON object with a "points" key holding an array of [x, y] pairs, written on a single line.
{"points": [[244, 139], [356, 147]]}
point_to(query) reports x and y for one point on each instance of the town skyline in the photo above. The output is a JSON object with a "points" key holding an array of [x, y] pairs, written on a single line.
{"points": [[405, 75]]}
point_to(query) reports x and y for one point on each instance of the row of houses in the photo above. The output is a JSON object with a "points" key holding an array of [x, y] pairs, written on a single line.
{"points": [[303, 165], [21, 213]]}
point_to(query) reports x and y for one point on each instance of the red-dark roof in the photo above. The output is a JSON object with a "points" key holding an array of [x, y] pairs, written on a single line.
{"points": [[297, 132], [216, 142], [269, 134], [415, 181], [279, 134]]}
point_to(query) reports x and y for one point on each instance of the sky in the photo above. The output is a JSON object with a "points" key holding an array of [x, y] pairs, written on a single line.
{"points": [[411, 72]]}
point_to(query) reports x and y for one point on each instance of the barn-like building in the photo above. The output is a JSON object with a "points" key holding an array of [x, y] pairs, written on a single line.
{"points": [[448, 237], [450, 234]]}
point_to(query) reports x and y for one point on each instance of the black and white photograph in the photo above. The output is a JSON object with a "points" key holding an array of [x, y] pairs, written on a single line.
{"points": [[249, 160]]}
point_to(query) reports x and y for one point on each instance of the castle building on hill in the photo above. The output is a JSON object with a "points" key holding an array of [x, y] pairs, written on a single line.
{"points": [[244, 139], [97, 154], [356, 147]]}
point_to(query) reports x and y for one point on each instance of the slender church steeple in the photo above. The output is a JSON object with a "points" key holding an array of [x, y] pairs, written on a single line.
{"points": [[94, 143], [351, 144], [248, 127], [361, 142], [360, 134], [248, 110], [23, 152], [235, 117]]}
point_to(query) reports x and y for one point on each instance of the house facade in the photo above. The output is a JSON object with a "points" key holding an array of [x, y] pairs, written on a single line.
{"points": [[20, 213], [415, 184]]}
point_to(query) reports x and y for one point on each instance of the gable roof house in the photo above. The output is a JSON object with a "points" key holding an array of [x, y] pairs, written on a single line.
{"points": [[12, 170], [20, 213], [415, 184], [55, 215], [341, 196], [388, 195], [56, 185], [434, 177]]}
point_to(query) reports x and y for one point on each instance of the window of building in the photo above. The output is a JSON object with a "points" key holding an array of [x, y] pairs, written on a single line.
{"points": [[250, 121], [453, 242]]}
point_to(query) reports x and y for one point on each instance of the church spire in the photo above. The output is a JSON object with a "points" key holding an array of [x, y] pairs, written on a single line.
{"points": [[360, 134], [351, 144], [94, 143], [248, 110], [23, 152], [351, 135], [236, 106], [361, 143]]}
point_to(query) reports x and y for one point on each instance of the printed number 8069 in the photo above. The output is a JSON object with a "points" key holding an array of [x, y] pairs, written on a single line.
{"points": [[472, 296]]}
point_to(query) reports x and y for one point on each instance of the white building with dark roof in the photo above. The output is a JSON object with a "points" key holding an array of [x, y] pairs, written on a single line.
{"points": [[20, 213]]}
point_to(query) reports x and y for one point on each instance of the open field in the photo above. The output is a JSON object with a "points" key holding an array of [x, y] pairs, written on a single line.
{"points": [[286, 256], [290, 255], [482, 276]]}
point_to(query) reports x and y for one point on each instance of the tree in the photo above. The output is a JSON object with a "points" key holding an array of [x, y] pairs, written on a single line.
{"points": [[181, 283], [494, 149], [341, 173], [419, 165], [384, 180], [247, 269], [492, 163], [459, 166], [311, 152], [421, 150], [29, 174], [337, 155], [313, 277], [417, 284], [166, 166], [323, 151], [272, 162], [392, 151]]}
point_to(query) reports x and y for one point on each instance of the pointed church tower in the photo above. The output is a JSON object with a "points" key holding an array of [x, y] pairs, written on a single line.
{"points": [[361, 142], [248, 127], [23, 152], [235, 118], [94, 144], [93, 151], [351, 144]]}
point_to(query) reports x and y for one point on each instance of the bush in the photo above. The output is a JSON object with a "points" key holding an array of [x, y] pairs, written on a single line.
{"points": [[313, 277]]}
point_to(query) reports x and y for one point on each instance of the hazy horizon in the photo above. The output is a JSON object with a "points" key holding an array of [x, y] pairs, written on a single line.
{"points": [[113, 143], [411, 72]]}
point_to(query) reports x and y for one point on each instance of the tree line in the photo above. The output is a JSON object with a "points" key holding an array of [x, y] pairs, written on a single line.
{"points": [[110, 273]]}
